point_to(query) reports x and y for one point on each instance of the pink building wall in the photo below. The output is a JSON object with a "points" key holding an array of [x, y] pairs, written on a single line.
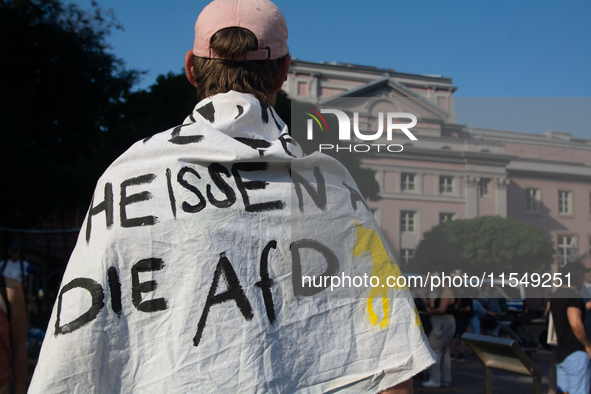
{"points": [[512, 161], [530, 151], [428, 217], [548, 219]]}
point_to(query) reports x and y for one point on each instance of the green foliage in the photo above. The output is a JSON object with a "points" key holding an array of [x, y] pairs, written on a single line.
{"points": [[68, 111], [59, 83], [485, 244], [146, 112]]}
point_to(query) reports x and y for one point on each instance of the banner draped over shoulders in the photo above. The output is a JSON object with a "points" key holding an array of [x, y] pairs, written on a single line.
{"points": [[187, 274]]}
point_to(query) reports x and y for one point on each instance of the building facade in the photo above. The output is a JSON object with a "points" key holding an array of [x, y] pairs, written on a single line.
{"points": [[453, 171]]}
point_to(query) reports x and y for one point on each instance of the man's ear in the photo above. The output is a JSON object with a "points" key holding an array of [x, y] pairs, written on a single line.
{"points": [[284, 65], [189, 57]]}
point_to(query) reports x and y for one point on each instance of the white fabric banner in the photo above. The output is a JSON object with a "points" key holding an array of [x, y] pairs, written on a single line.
{"points": [[187, 274]]}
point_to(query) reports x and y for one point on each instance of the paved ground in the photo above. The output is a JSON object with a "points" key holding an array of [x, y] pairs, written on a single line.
{"points": [[468, 377]]}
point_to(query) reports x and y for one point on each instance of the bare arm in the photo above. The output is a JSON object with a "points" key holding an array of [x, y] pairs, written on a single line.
{"points": [[18, 334], [575, 319], [547, 310], [402, 388]]}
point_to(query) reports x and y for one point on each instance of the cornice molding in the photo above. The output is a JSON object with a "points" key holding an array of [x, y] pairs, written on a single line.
{"points": [[369, 70]]}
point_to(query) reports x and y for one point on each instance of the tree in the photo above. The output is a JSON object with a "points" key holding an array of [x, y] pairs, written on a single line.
{"points": [[67, 108], [484, 244], [143, 113], [59, 85]]}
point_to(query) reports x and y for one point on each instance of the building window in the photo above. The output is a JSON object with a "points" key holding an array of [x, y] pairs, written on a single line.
{"points": [[407, 182], [406, 255], [532, 200], [567, 250], [303, 89], [407, 221], [445, 184], [445, 216], [564, 202], [483, 186]]}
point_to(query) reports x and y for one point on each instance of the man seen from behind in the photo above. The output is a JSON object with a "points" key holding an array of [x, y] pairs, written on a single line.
{"points": [[188, 272]]}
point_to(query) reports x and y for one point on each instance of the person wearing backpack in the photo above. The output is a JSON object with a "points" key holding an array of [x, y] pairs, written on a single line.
{"points": [[13, 337]]}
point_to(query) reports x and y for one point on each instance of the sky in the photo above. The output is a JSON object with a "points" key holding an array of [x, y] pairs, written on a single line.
{"points": [[497, 52]]}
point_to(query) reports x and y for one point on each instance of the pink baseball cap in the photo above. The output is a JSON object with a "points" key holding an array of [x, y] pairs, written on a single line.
{"points": [[261, 17]]}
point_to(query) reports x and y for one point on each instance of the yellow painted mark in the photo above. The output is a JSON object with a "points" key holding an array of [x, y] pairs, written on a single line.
{"points": [[418, 319], [368, 241]]}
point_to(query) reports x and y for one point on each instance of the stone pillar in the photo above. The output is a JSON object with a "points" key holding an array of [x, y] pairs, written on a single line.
{"points": [[501, 196], [472, 196], [379, 177], [291, 85], [313, 88]]}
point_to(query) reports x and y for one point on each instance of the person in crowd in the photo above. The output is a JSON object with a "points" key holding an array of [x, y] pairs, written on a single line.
{"points": [[543, 339], [463, 312], [479, 313], [14, 266], [13, 337], [586, 291], [495, 305], [573, 352], [442, 330], [423, 303]]}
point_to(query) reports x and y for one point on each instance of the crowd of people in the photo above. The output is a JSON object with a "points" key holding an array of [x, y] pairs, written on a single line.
{"points": [[450, 312], [445, 315]]}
